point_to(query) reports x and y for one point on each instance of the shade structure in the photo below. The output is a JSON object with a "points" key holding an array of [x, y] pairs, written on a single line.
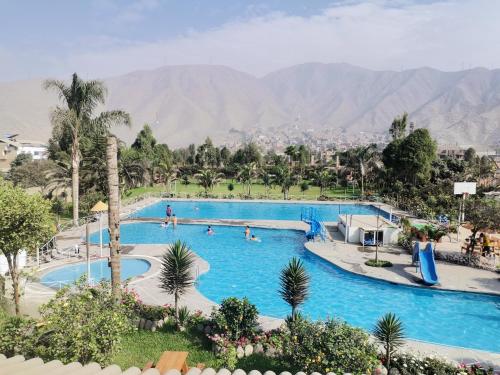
{"points": [[99, 207]]}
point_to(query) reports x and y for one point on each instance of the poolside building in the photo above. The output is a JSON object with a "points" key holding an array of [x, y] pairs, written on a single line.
{"points": [[368, 229]]}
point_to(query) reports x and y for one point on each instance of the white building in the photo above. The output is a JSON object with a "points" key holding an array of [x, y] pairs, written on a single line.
{"points": [[38, 150], [368, 229]]}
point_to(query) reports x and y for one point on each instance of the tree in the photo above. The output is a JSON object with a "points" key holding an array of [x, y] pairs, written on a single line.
{"points": [[389, 332], [283, 177], [294, 284], [322, 179], [398, 127], [304, 186], [176, 272], [81, 99], [267, 181], [25, 223], [114, 214], [246, 174], [362, 160], [208, 178], [249, 153], [145, 142], [167, 173], [482, 214]]}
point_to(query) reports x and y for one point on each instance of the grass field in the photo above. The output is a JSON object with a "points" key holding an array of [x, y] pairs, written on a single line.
{"points": [[140, 347], [257, 191]]}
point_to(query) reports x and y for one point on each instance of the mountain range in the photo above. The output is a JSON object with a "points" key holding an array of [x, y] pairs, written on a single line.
{"points": [[185, 104]]}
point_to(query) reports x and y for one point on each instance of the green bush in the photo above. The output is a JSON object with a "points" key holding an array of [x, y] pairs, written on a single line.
{"points": [[235, 318], [331, 346], [17, 336], [380, 263], [408, 364], [81, 324]]}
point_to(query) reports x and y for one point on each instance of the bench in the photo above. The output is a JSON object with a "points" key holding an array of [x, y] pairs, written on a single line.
{"points": [[169, 361]]}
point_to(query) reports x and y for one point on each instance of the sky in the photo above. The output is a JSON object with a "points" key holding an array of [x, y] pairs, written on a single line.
{"points": [[103, 38]]}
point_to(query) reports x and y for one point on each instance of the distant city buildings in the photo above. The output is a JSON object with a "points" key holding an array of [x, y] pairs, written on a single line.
{"points": [[11, 147]]}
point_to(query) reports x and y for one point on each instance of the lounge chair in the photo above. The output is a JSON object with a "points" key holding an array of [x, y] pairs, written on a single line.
{"points": [[169, 361]]}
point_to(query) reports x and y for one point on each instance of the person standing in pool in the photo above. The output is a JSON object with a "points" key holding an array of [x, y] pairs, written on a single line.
{"points": [[210, 231], [247, 232], [168, 214], [174, 221]]}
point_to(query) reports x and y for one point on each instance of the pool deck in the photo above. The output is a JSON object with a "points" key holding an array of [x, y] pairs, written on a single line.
{"points": [[349, 257]]}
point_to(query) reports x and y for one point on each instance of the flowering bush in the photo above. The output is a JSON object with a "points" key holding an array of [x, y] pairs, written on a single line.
{"points": [[331, 346], [409, 364], [235, 319], [135, 307]]}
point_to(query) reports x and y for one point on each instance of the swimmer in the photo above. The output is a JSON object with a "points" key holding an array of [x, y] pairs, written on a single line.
{"points": [[168, 214], [174, 220], [210, 231], [247, 232], [253, 238]]}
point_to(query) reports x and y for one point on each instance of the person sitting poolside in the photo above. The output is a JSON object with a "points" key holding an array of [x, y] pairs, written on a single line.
{"points": [[210, 231]]}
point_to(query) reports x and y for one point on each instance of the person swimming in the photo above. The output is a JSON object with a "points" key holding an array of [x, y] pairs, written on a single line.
{"points": [[247, 232], [168, 213], [253, 238], [210, 231]]}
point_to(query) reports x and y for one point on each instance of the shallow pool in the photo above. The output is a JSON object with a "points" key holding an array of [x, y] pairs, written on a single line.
{"points": [[253, 210], [99, 270], [246, 268]]}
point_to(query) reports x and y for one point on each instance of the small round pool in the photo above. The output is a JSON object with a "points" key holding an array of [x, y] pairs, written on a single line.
{"points": [[99, 270]]}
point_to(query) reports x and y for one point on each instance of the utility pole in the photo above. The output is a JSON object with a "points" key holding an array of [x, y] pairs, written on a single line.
{"points": [[87, 247]]}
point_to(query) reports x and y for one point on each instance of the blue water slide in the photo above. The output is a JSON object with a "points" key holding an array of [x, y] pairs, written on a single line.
{"points": [[428, 265]]}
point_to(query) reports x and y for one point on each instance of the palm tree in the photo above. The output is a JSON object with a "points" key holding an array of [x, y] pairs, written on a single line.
{"points": [[267, 181], [132, 169], [167, 173], [114, 213], [389, 332], [59, 179], [175, 275], [208, 178], [292, 153], [322, 179], [246, 174], [294, 284], [283, 177], [81, 98], [363, 159]]}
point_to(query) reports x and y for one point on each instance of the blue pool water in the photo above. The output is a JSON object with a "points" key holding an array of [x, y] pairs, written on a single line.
{"points": [[99, 270], [253, 210], [246, 268]]}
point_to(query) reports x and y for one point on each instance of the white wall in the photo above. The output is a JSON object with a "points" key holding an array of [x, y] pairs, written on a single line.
{"points": [[21, 262], [37, 152]]}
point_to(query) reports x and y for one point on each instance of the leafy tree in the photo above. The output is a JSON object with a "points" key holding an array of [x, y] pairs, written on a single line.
{"points": [[470, 155], [482, 214], [304, 186], [398, 127], [176, 272], [208, 178], [294, 284], [21, 159], [168, 174], [235, 318], [389, 332], [25, 223], [30, 173], [132, 168], [267, 181], [361, 160], [145, 142], [59, 178], [81, 99], [248, 154], [322, 178]]}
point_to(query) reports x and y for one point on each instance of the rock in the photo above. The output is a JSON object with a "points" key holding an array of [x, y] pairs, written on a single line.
{"points": [[141, 323], [269, 372], [194, 371], [271, 352], [258, 348], [240, 353], [330, 373], [316, 373], [160, 323], [249, 352], [154, 325], [208, 371], [148, 325], [380, 370], [285, 373], [135, 322], [394, 371], [224, 371], [300, 373], [173, 372], [239, 371], [254, 372]]}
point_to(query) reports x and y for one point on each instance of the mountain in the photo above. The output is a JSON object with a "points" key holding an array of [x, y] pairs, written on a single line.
{"points": [[184, 104]]}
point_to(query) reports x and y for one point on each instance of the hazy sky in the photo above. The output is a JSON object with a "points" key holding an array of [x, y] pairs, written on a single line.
{"points": [[100, 38]]}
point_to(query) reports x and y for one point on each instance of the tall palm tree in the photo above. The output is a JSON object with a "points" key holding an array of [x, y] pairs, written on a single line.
{"points": [[81, 99], [294, 284], [267, 180], [132, 169], [176, 272], [284, 177], [168, 173], [389, 332], [208, 178], [362, 160], [114, 214], [246, 174]]}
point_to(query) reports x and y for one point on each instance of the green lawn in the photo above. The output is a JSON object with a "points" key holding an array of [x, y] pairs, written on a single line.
{"points": [[140, 347], [257, 191]]}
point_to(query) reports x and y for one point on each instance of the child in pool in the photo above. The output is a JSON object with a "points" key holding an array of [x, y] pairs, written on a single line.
{"points": [[253, 238], [247, 232], [210, 231]]}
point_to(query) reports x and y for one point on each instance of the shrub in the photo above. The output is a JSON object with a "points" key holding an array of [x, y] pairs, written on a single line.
{"points": [[82, 324], [235, 318], [408, 364], [380, 263], [17, 336], [331, 346]]}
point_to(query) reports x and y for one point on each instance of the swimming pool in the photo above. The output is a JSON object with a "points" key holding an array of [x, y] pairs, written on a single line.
{"points": [[254, 210], [99, 270], [245, 268]]}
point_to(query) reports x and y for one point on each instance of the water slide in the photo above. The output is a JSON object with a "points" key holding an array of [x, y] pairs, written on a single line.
{"points": [[427, 263]]}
